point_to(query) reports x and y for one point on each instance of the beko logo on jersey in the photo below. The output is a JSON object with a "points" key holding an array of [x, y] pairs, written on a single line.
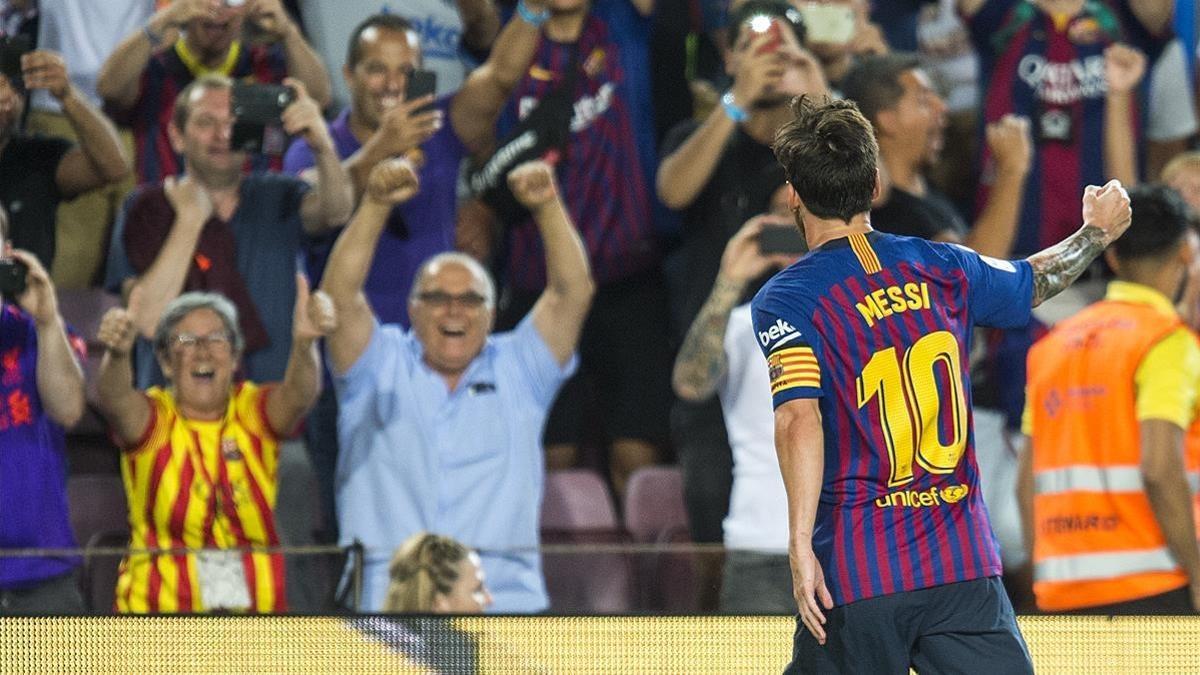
{"points": [[780, 329]]}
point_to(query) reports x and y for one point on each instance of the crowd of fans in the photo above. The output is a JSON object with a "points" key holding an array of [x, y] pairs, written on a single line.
{"points": [[593, 179]]}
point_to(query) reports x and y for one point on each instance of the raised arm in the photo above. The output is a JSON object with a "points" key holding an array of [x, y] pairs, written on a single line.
{"points": [[968, 8], [1165, 476], [100, 156], [303, 63], [684, 173], [996, 226], [163, 281], [481, 23], [313, 317], [59, 377], [1106, 215], [119, 81], [1154, 15], [800, 444], [391, 182], [474, 109], [701, 361], [562, 307], [126, 409], [331, 203], [1124, 67]]}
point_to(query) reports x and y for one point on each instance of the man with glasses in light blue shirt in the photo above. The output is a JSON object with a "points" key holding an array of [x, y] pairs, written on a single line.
{"points": [[440, 426]]}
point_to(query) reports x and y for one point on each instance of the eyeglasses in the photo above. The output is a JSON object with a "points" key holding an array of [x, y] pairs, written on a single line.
{"points": [[442, 299], [217, 342]]}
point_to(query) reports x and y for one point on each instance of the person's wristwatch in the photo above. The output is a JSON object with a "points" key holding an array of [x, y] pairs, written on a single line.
{"points": [[732, 109], [534, 18]]}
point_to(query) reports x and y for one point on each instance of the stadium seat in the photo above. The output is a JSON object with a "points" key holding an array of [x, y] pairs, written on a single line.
{"points": [[97, 504], [577, 500], [98, 578], [83, 310], [578, 511], [655, 514], [654, 510]]}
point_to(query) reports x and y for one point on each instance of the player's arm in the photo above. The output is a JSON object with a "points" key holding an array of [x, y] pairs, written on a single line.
{"points": [[701, 361], [1025, 490], [1106, 216], [799, 442]]}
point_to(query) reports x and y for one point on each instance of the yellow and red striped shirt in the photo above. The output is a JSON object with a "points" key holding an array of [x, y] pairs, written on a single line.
{"points": [[200, 484]]}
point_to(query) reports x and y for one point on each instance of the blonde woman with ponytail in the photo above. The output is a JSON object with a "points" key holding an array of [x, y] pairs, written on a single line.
{"points": [[432, 574]]}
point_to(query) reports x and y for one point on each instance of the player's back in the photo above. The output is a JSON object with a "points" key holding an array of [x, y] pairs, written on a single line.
{"points": [[878, 327]]}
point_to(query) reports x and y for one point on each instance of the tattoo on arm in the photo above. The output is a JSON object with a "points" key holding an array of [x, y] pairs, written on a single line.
{"points": [[1060, 265], [701, 360]]}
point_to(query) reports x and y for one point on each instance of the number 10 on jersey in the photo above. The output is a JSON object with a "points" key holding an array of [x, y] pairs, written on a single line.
{"points": [[910, 404]]}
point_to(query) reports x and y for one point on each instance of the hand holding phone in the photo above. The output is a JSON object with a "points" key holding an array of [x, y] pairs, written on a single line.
{"points": [[413, 121], [258, 109], [784, 239], [13, 273]]}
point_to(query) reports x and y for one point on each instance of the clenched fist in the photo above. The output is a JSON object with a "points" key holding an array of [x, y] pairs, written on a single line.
{"points": [[117, 331], [1008, 139], [532, 183], [1108, 209], [392, 181], [314, 315]]}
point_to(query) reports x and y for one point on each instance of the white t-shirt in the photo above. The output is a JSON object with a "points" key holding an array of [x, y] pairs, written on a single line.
{"points": [[757, 517], [86, 32], [1170, 112], [438, 22]]}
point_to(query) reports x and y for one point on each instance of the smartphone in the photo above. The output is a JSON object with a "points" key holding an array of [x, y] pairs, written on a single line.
{"points": [[12, 278], [830, 24], [258, 109], [421, 83], [774, 34], [12, 48], [784, 239]]}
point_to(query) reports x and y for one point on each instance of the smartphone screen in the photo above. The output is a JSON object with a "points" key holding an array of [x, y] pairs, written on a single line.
{"points": [[831, 24], [781, 239], [421, 83]]}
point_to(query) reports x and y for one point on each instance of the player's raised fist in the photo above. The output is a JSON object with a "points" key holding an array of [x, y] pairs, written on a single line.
{"points": [[1108, 209]]}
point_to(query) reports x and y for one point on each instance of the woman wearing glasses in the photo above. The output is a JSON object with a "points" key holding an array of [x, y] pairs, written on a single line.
{"points": [[200, 455]]}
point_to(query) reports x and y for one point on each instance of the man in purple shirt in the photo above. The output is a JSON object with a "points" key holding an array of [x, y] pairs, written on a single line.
{"points": [[41, 393], [380, 123]]}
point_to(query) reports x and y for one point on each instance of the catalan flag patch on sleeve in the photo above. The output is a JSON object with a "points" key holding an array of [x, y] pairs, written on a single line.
{"points": [[793, 367]]}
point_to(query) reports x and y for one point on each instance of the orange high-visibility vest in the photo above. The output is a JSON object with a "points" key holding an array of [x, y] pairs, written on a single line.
{"points": [[1096, 540]]}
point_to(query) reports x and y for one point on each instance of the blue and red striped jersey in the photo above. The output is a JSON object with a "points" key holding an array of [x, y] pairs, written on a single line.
{"points": [[1050, 68], [606, 171], [165, 76], [878, 327]]}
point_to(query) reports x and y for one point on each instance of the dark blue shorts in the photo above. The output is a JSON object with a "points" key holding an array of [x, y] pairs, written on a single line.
{"points": [[966, 627]]}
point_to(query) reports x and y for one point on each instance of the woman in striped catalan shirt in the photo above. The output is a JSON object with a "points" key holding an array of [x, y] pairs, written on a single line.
{"points": [[200, 456]]}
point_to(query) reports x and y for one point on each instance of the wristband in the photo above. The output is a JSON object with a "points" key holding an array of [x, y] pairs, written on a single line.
{"points": [[536, 19], [733, 110], [153, 38]]}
